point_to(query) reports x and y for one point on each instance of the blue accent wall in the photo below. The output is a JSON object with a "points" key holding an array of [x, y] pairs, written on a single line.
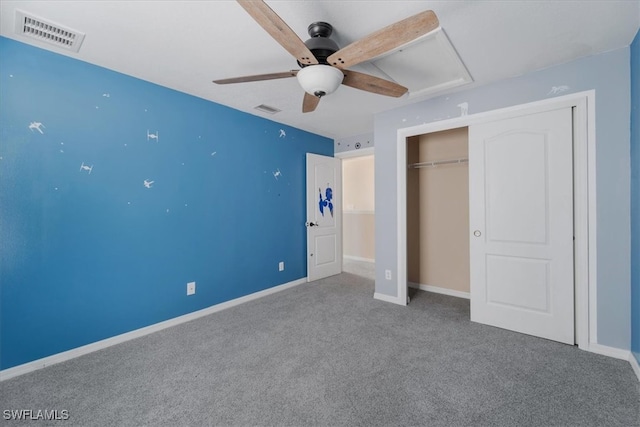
{"points": [[635, 197], [115, 192]]}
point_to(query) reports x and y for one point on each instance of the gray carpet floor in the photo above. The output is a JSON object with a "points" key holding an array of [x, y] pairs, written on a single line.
{"points": [[327, 353]]}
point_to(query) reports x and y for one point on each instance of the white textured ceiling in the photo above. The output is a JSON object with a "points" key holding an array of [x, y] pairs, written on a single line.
{"points": [[184, 45]]}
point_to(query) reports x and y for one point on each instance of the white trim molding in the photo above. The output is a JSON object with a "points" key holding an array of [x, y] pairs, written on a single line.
{"points": [[355, 212], [585, 247], [440, 290], [99, 345], [634, 365], [387, 298], [605, 350], [357, 258]]}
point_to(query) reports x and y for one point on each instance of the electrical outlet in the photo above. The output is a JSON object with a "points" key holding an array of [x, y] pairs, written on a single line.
{"points": [[191, 288], [281, 266], [387, 274]]}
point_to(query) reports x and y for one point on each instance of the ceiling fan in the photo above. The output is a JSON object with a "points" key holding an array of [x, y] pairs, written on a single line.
{"points": [[323, 64]]}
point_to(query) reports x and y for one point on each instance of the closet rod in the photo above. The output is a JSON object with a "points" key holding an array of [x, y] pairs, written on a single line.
{"points": [[436, 163]]}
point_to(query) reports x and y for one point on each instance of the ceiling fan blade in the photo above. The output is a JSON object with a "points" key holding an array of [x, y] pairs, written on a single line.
{"points": [[384, 40], [373, 84], [279, 30], [257, 77], [309, 103]]}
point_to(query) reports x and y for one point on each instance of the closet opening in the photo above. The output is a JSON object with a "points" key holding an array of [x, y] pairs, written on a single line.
{"points": [[556, 144], [438, 212]]}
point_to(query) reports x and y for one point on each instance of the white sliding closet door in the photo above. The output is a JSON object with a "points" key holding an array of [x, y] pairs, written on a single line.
{"points": [[521, 224]]}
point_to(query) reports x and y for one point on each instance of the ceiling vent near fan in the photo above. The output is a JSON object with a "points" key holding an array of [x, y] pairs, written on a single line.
{"points": [[48, 32], [267, 109]]}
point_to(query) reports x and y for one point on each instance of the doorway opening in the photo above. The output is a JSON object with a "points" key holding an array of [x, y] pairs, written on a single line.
{"points": [[358, 202]]}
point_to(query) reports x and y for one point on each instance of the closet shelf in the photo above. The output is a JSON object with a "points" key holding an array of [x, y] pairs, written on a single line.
{"points": [[436, 163]]}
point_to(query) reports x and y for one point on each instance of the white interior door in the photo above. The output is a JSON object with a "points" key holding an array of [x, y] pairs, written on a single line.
{"points": [[324, 216], [521, 224]]}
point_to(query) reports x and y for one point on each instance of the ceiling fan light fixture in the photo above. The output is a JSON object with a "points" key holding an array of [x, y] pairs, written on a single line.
{"points": [[320, 80]]}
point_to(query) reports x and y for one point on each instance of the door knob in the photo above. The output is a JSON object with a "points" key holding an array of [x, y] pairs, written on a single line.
{"points": [[311, 224], [477, 233]]}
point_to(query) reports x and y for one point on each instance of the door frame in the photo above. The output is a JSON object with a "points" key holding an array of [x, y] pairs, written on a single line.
{"points": [[369, 151], [584, 195]]}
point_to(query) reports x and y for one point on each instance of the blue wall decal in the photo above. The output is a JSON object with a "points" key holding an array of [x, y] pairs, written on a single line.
{"points": [[326, 202], [103, 223]]}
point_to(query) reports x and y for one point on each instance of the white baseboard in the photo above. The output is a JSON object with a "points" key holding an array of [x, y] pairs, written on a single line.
{"points": [[439, 290], [387, 298], [634, 365], [616, 353], [356, 212], [99, 345], [357, 258]]}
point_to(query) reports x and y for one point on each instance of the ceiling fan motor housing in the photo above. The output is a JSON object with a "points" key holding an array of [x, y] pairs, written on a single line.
{"points": [[320, 80], [320, 44]]}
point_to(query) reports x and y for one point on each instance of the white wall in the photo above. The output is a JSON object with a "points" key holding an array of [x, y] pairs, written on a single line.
{"points": [[352, 143]]}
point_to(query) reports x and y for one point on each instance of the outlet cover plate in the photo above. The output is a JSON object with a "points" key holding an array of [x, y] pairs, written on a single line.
{"points": [[191, 288]]}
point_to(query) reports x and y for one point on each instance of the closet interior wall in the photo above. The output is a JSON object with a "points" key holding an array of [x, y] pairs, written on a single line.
{"points": [[438, 211]]}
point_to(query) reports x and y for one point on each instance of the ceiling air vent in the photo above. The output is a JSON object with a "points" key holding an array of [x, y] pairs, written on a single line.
{"points": [[267, 109], [47, 31]]}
